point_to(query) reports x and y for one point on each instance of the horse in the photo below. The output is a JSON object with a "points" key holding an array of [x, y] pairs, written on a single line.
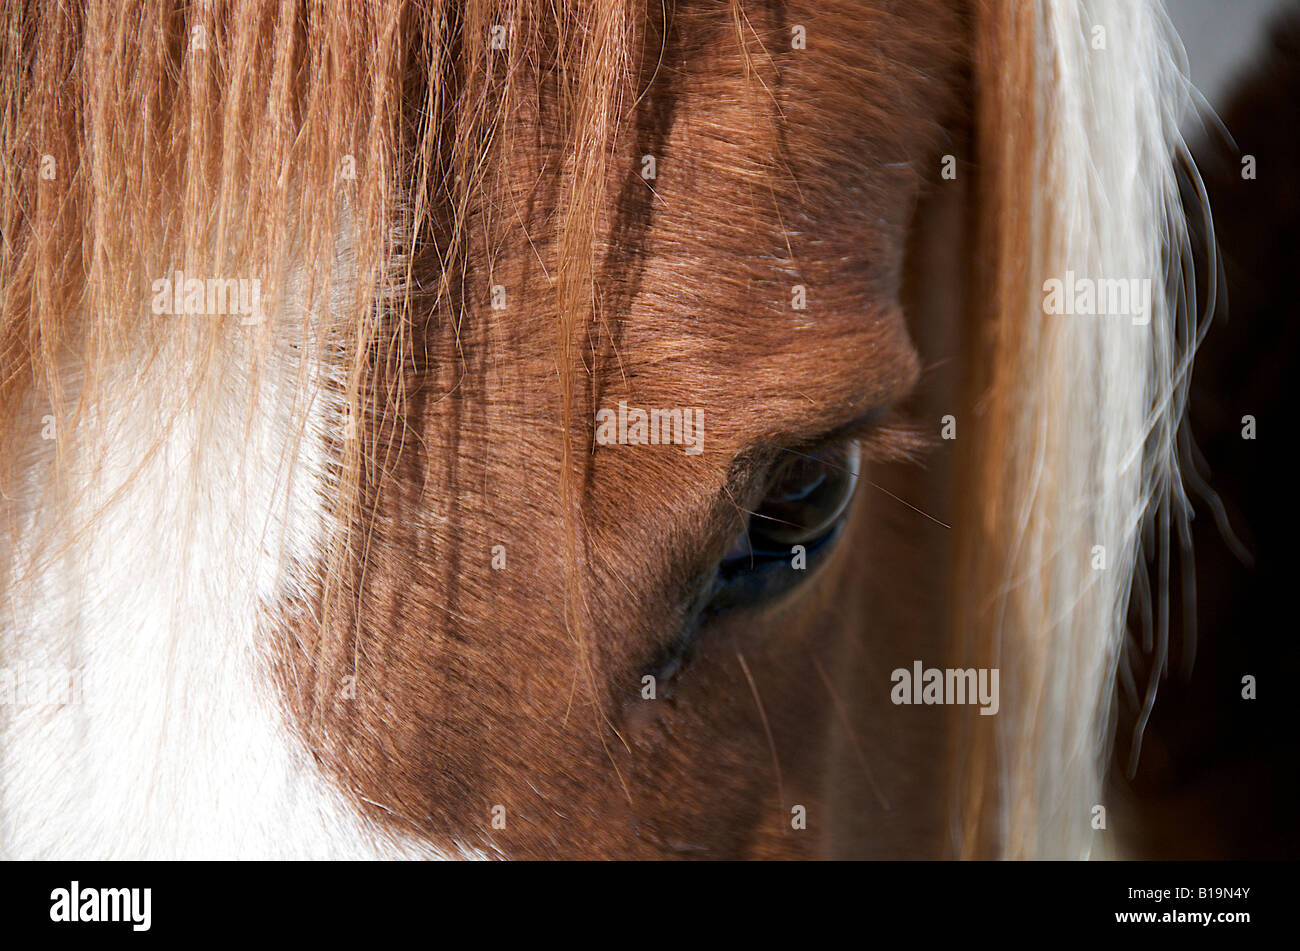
{"points": [[500, 429]]}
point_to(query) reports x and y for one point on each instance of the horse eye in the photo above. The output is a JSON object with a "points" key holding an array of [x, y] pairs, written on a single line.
{"points": [[807, 496], [806, 504]]}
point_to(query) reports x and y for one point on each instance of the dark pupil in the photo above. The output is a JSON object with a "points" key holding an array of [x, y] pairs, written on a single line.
{"points": [[807, 496]]}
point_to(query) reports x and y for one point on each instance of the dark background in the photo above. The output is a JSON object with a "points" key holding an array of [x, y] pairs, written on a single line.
{"points": [[1217, 776]]}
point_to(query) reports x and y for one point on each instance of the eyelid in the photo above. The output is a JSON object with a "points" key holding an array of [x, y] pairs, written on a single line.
{"points": [[884, 433], [860, 427]]}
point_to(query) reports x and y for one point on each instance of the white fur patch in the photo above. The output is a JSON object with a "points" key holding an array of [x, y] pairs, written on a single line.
{"points": [[149, 564]]}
